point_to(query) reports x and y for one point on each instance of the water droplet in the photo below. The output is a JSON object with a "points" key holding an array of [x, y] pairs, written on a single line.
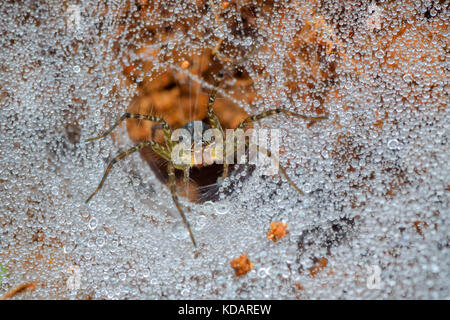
{"points": [[407, 78], [68, 248], [185, 292], [55, 190], [93, 223], [379, 54], [392, 144], [263, 272], [222, 208], [100, 242], [131, 272], [180, 231], [200, 222], [306, 188]]}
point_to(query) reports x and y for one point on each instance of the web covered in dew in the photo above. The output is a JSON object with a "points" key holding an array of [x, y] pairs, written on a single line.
{"points": [[372, 222]]}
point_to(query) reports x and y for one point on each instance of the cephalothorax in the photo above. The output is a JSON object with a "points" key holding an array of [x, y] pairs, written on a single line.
{"points": [[166, 150]]}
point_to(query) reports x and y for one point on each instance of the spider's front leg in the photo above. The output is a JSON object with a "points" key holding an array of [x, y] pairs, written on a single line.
{"points": [[159, 149], [166, 128], [173, 190], [271, 112], [113, 161], [268, 113]]}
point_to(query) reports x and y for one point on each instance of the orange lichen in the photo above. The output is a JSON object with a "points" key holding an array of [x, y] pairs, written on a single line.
{"points": [[319, 266], [277, 231], [418, 228], [241, 265]]}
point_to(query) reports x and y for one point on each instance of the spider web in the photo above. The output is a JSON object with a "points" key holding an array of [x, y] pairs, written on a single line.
{"points": [[374, 175]]}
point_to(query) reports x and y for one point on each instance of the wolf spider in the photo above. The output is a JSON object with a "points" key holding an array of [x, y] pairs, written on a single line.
{"points": [[165, 151]]}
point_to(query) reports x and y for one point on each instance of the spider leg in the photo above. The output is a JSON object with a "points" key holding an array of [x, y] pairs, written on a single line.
{"points": [[269, 154], [107, 132], [212, 117], [214, 120], [225, 171], [268, 113], [156, 147], [289, 179], [186, 177], [166, 128], [173, 190]]}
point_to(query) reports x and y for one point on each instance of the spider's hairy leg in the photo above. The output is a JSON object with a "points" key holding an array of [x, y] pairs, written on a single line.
{"points": [[212, 117], [186, 182], [217, 80], [186, 178], [107, 132], [289, 179], [155, 146], [214, 120], [268, 113], [173, 190], [225, 171], [269, 155], [166, 128]]}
